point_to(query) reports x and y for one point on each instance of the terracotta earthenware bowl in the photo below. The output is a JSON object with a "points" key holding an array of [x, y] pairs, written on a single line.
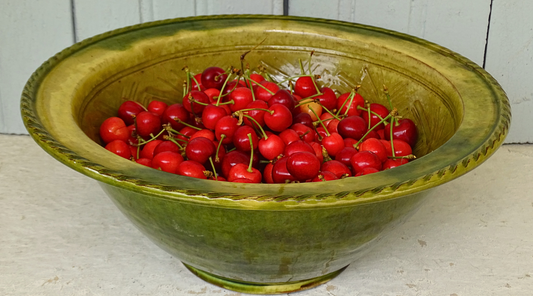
{"points": [[263, 238]]}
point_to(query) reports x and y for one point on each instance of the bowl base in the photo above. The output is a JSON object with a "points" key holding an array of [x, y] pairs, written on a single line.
{"points": [[263, 288]]}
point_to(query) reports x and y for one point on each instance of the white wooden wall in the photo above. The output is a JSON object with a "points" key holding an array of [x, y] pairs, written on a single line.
{"points": [[33, 30]]}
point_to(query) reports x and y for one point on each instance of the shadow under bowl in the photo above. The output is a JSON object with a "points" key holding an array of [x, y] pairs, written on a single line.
{"points": [[266, 238]]}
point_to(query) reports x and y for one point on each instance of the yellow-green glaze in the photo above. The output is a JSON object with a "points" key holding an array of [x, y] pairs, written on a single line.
{"points": [[260, 235]]}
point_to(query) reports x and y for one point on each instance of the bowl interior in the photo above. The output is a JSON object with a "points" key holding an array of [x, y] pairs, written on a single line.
{"points": [[68, 98], [418, 91]]}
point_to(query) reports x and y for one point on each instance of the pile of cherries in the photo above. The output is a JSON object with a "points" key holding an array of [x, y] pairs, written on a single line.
{"points": [[237, 126]]}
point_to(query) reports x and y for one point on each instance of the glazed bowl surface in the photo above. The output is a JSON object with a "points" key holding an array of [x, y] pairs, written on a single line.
{"points": [[266, 238]]}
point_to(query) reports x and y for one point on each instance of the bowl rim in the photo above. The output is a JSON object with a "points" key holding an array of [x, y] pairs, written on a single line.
{"points": [[272, 196]]}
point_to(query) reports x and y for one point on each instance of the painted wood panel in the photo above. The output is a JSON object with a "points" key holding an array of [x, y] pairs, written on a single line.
{"points": [[32, 31], [510, 61], [98, 16], [458, 25]]}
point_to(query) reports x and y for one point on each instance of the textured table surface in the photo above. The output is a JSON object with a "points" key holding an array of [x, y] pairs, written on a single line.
{"points": [[61, 235]]}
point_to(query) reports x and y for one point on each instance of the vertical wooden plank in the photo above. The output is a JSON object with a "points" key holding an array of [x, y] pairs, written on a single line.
{"points": [[209, 7], [458, 25], [165, 9], [99, 16], [32, 31], [510, 61]]}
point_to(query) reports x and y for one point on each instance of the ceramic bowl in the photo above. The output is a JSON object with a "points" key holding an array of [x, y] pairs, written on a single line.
{"points": [[264, 238]]}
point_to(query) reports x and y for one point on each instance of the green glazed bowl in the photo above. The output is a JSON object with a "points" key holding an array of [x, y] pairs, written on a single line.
{"points": [[266, 238]]}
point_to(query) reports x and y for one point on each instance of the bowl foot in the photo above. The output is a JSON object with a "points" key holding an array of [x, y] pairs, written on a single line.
{"points": [[263, 288]]}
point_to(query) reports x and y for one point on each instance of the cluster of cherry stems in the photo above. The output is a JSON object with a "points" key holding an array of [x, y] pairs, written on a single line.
{"points": [[238, 126]]}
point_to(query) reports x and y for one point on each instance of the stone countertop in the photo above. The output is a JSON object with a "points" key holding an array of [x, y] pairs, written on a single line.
{"points": [[61, 235]]}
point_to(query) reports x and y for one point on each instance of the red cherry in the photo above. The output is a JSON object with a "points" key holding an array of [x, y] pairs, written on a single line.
{"points": [[144, 161], [328, 99], [378, 109], [196, 83], [166, 146], [303, 165], [318, 150], [256, 78], [280, 119], [213, 77], [175, 114], [200, 150], [325, 176], [333, 143], [284, 98], [352, 127], [212, 94], [232, 86], [304, 132], [366, 171], [280, 174], [305, 87], [241, 96], [345, 155], [271, 147], [365, 159], [288, 136], [405, 130], [392, 163], [190, 102], [226, 126], [120, 148], [303, 118], [240, 171], [345, 103], [129, 110], [298, 146], [204, 133], [191, 168], [211, 115], [336, 167], [261, 94], [257, 114], [401, 148], [114, 128], [147, 124], [267, 173], [232, 158], [148, 149], [241, 140], [157, 107], [167, 161], [374, 145]]}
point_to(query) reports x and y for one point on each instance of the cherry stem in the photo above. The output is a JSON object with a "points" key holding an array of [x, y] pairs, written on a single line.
{"points": [[319, 120], [258, 125], [143, 142], [187, 79], [213, 166], [356, 145], [171, 139], [386, 91], [224, 85], [391, 139], [306, 101], [255, 109], [309, 62], [222, 137], [264, 87], [186, 124], [193, 100], [301, 67], [251, 153], [352, 95], [197, 83]]}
